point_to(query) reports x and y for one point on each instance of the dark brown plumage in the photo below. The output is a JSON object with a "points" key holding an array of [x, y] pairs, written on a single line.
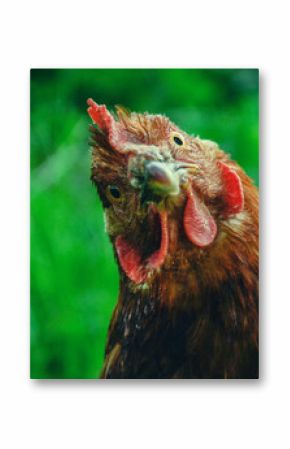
{"points": [[183, 221]]}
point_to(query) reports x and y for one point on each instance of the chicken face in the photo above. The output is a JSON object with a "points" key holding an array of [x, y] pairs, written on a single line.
{"points": [[165, 194]]}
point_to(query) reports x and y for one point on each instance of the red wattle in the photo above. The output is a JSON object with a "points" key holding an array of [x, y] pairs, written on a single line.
{"points": [[131, 260], [158, 257], [200, 227]]}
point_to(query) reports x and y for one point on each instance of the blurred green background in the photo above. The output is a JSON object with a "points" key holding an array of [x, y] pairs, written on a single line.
{"points": [[74, 280]]}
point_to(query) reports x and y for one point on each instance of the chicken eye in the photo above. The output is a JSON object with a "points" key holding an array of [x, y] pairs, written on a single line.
{"points": [[113, 193], [177, 139]]}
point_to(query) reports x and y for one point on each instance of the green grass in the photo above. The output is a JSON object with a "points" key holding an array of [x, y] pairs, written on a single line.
{"points": [[74, 280]]}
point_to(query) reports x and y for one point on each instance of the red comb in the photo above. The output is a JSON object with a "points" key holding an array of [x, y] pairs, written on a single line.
{"points": [[106, 122], [100, 115]]}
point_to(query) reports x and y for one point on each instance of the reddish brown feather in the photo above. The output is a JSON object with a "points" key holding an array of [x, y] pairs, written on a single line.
{"points": [[198, 315]]}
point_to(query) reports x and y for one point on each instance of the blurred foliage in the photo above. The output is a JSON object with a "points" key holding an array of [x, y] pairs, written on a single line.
{"points": [[74, 280]]}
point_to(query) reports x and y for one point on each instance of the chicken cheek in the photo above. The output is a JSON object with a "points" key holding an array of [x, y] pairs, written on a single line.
{"points": [[200, 227]]}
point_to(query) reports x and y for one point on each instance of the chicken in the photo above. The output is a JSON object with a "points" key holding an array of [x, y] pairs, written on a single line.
{"points": [[183, 221]]}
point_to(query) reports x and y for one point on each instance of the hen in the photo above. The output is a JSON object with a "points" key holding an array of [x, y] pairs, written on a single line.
{"points": [[183, 221]]}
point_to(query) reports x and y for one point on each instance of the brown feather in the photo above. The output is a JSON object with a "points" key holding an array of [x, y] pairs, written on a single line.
{"points": [[197, 315]]}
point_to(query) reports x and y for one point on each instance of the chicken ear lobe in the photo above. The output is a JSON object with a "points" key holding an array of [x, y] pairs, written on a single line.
{"points": [[199, 225], [233, 194]]}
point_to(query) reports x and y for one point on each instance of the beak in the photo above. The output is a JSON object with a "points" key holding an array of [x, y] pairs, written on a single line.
{"points": [[161, 179]]}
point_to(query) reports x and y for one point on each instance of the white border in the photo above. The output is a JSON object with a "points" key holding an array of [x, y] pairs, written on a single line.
{"points": [[138, 414]]}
